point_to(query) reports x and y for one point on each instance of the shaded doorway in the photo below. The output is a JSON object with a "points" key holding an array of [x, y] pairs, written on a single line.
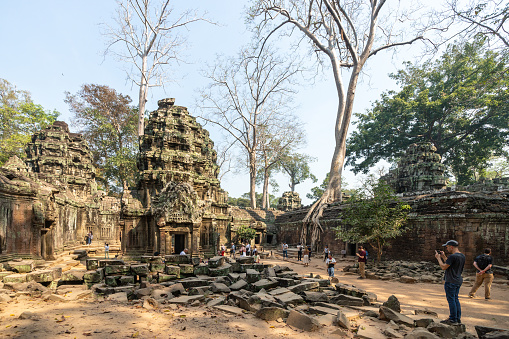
{"points": [[179, 242], [352, 249]]}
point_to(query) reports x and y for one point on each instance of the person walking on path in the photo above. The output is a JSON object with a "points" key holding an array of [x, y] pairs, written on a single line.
{"points": [[329, 262], [232, 251], [326, 253], [299, 252], [362, 262], [285, 250], [453, 267], [483, 263], [309, 249], [107, 251], [306, 256]]}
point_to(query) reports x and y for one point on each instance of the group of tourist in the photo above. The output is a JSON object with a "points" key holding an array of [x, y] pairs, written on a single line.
{"points": [[244, 250], [89, 237]]}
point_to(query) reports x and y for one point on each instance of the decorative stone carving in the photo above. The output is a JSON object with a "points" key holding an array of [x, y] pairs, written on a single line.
{"points": [[289, 201]]}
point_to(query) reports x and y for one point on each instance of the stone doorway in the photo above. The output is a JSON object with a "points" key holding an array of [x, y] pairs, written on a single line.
{"points": [[179, 242], [352, 249]]}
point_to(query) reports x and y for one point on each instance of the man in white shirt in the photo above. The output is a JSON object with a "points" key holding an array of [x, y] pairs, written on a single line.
{"points": [[184, 252], [330, 262]]}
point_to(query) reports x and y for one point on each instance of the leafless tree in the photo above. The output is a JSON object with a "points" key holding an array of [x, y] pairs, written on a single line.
{"points": [[469, 18], [246, 92], [277, 140], [346, 33], [148, 36]]}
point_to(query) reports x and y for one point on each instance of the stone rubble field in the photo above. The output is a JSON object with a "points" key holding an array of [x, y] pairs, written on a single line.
{"points": [[186, 298]]}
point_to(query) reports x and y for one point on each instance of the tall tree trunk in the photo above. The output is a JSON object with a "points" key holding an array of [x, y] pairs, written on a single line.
{"points": [[142, 97], [265, 195], [252, 179]]}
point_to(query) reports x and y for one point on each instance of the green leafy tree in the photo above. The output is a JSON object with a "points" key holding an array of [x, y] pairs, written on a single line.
{"points": [[20, 118], [108, 122], [317, 191], [373, 215], [245, 233], [297, 167], [460, 103]]}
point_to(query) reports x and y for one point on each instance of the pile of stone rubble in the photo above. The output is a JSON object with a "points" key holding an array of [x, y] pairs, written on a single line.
{"points": [[404, 271], [271, 293]]}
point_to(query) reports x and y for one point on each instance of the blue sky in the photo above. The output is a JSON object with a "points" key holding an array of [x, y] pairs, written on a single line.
{"points": [[50, 47]]}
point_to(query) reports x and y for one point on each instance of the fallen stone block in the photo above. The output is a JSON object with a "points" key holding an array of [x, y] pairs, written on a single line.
{"points": [[342, 320], [201, 269], [286, 282], [272, 313], [93, 276], [74, 275], [176, 259], [420, 333], [446, 331], [408, 280], [245, 260], [289, 298], [302, 321], [186, 299], [216, 261], [15, 278], [483, 331], [221, 270], [240, 284], [346, 300], [219, 288], [216, 301], [186, 269], [23, 266], [110, 262], [111, 280], [426, 312], [150, 304], [150, 259], [199, 290], [29, 315], [389, 314], [365, 331], [166, 277], [304, 286], [159, 268], [92, 264], [229, 309], [118, 297], [393, 304], [172, 270], [176, 289], [141, 269], [280, 290], [126, 280], [264, 284], [310, 296], [423, 322], [55, 297], [252, 276], [3, 274]]}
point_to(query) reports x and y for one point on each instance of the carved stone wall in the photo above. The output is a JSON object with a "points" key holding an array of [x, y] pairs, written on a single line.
{"points": [[49, 202], [175, 149], [289, 201]]}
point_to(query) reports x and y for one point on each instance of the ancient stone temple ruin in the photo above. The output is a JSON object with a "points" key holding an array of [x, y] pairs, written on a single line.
{"points": [[418, 170], [178, 202], [50, 202], [289, 201]]}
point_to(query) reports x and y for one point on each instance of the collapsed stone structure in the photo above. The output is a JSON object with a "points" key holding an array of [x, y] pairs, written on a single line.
{"points": [[50, 202], [477, 218], [289, 201]]}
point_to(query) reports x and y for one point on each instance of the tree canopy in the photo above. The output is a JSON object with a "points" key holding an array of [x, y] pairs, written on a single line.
{"points": [[108, 122], [373, 215], [458, 102], [296, 166], [20, 118]]}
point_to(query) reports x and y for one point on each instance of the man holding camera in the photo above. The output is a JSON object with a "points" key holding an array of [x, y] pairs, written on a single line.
{"points": [[453, 267]]}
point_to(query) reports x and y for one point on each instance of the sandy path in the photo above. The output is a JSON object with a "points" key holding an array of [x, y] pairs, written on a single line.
{"points": [[108, 319]]}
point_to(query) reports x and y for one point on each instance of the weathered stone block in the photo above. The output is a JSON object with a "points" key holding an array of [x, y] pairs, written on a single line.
{"points": [[201, 269], [216, 261], [142, 269], [252, 275], [75, 275], [186, 269], [157, 267], [264, 284], [239, 285], [24, 266], [116, 269], [220, 271], [388, 314], [148, 259], [110, 262], [126, 280], [302, 321], [289, 298], [92, 264], [176, 259], [3, 274], [92, 276], [272, 313], [304, 286], [173, 270], [111, 280], [188, 283], [15, 278], [44, 275], [167, 277], [245, 260]]}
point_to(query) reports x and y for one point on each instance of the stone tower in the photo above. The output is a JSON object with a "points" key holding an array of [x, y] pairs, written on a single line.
{"points": [[178, 191], [420, 169], [289, 201], [63, 159]]}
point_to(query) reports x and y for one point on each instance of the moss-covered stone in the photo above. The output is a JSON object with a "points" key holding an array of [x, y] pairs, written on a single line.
{"points": [[173, 270]]}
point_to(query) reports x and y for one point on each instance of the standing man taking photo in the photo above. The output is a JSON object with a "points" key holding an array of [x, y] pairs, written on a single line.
{"points": [[483, 264], [453, 267]]}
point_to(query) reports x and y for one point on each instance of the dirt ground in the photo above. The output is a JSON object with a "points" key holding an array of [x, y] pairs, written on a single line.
{"points": [[102, 318]]}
